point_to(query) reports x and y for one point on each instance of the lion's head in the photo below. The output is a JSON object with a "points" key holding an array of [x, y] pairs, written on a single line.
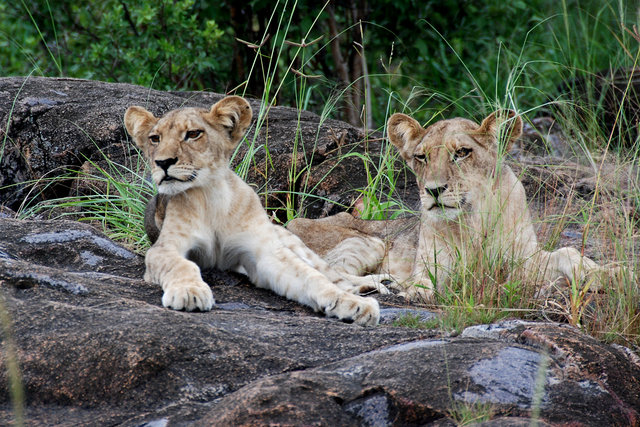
{"points": [[186, 146], [453, 159]]}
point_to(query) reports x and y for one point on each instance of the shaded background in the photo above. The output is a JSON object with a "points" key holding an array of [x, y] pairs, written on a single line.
{"points": [[366, 58]]}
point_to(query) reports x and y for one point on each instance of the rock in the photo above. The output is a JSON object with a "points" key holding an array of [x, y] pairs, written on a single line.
{"points": [[95, 346], [422, 382], [92, 333], [391, 315], [58, 126]]}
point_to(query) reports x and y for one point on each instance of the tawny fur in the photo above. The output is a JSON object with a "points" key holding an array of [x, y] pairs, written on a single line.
{"points": [[206, 216], [469, 200]]}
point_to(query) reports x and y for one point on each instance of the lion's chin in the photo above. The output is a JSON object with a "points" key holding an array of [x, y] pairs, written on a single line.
{"points": [[444, 213], [449, 208], [171, 185]]}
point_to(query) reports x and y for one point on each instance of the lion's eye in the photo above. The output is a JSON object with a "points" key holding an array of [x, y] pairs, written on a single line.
{"points": [[461, 153], [155, 139], [420, 157], [193, 134]]}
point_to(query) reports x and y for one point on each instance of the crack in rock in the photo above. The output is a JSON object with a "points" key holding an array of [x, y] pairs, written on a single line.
{"points": [[74, 235]]}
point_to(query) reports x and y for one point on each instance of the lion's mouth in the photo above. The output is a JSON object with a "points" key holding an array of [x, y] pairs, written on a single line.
{"points": [[441, 206], [169, 178], [437, 204]]}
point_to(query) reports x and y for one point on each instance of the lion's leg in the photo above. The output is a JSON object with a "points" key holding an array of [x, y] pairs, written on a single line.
{"points": [[180, 279], [349, 263], [342, 278], [279, 268], [357, 255], [568, 263], [430, 268], [363, 284], [420, 285]]}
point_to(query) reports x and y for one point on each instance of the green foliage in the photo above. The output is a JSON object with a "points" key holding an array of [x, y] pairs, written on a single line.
{"points": [[167, 44], [163, 44], [467, 57], [19, 42]]}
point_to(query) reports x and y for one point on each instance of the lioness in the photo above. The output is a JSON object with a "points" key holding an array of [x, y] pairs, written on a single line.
{"points": [[207, 215], [469, 200]]}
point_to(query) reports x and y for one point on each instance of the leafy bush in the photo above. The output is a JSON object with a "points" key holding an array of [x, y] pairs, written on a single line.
{"points": [[167, 45], [19, 42]]}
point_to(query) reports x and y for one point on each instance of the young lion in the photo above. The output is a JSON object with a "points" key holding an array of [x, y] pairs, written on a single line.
{"points": [[207, 215], [470, 204]]}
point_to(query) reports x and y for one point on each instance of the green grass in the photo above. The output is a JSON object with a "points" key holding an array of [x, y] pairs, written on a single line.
{"points": [[113, 197], [464, 414], [415, 321]]}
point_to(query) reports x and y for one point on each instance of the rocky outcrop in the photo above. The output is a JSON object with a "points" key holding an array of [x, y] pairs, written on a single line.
{"points": [[96, 347], [54, 126], [507, 370]]}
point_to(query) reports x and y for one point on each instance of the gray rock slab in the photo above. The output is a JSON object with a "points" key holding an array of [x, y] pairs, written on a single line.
{"points": [[111, 354]]}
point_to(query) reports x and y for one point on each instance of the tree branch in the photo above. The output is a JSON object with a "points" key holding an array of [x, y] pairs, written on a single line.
{"points": [[127, 16]]}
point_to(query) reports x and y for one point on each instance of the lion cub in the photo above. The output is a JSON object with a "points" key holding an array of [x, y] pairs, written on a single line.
{"points": [[207, 216], [470, 204]]}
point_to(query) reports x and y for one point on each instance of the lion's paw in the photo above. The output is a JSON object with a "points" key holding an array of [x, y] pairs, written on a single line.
{"points": [[189, 297], [372, 283], [360, 310], [598, 277], [418, 294], [360, 285]]}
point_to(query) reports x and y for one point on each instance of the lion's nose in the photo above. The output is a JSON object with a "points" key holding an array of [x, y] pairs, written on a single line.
{"points": [[436, 192], [165, 164]]}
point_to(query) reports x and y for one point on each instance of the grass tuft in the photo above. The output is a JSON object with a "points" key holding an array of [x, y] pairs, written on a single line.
{"points": [[109, 195]]}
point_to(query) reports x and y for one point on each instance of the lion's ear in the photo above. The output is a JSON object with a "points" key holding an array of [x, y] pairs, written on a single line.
{"points": [[139, 123], [404, 133], [503, 125], [234, 114]]}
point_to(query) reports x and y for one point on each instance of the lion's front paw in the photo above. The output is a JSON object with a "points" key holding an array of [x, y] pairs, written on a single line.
{"points": [[360, 310], [189, 297], [362, 285]]}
